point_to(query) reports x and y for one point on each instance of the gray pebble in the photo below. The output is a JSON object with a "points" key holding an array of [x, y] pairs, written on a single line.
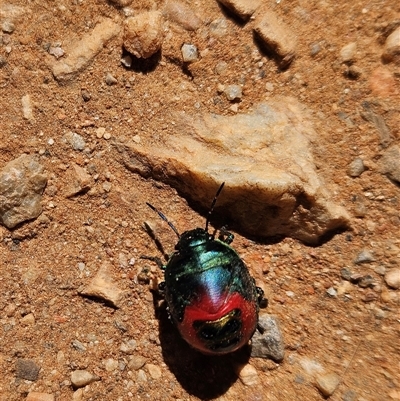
{"points": [[390, 163], [345, 274], [189, 53], [7, 26], [233, 92], [315, 48], [219, 27], [110, 80], [364, 256], [78, 345], [75, 140], [356, 167], [268, 343], [27, 369], [366, 281], [81, 378], [331, 292], [349, 395]]}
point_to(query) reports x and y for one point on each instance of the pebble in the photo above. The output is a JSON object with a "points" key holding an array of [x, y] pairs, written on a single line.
{"points": [[82, 52], [78, 395], [269, 342], [28, 320], [75, 140], [189, 53], [36, 396], [390, 163], [327, 383], [349, 395], [331, 292], [392, 278], [78, 181], [219, 27], [233, 92], [110, 80], [356, 167], [365, 256], [248, 375], [221, 67], [244, 9], [78, 345], [110, 364], [143, 34], [136, 362], [345, 287], [7, 26], [128, 347], [81, 378], [182, 14], [27, 369], [154, 371], [348, 52], [276, 36], [22, 182], [141, 376], [27, 110], [391, 51], [102, 286]]}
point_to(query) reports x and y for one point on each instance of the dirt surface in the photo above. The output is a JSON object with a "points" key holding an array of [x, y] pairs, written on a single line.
{"points": [[46, 262]]}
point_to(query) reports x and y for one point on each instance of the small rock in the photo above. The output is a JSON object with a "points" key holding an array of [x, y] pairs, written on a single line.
{"points": [[233, 92], [356, 167], [86, 95], [110, 80], [110, 364], [364, 256], [102, 286], [36, 396], [182, 14], [82, 52], [269, 342], [143, 34], [81, 378], [390, 163], [78, 345], [391, 52], [189, 53], [136, 362], [154, 371], [392, 278], [78, 181], [348, 52], [28, 320], [27, 108], [327, 383], [75, 140], [78, 395], [56, 51], [345, 274], [22, 182], [27, 369], [331, 292], [366, 281], [248, 375], [7, 26], [344, 287], [141, 376], [219, 28], [242, 8], [276, 36], [129, 347]]}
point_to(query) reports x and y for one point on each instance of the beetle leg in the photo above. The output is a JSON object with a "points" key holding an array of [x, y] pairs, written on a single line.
{"points": [[225, 236], [156, 260], [262, 302]]}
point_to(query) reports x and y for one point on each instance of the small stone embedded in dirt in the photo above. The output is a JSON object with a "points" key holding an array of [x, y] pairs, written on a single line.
{"points": [[264, 158], [36, 396], [189, 53], [78, 395], [110, 80], [28, 320], [269, 342], [75, 140], [154, 371], [81, 378], [392, 278], [331, 292], [78, 181], [182, 14], [136, 362], [22, 182], [356, 167], [27, 108], [233, 92], [219, 28], [365, 256], [369, 115], [276, 36], [141, 376], [248, 375], [348, 53], [242, 8], [27, 369], [390, 163], [128, 347], [143, 34], [391, 52], [56, 51], [103, 286], [82, 52], [7, 26], [327, 383], [110, 364]]}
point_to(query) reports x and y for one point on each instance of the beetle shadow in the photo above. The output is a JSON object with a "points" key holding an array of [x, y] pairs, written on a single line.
{"points": [[203, 376]]}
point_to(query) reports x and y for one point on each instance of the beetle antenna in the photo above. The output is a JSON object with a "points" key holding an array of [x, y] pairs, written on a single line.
{"points": [[164, 218], [212, 205]]}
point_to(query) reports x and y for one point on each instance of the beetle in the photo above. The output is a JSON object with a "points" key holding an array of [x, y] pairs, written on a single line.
{"points": [[211, 297]]}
